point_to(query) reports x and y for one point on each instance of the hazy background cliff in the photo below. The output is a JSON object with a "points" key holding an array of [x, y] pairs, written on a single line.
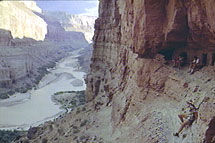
{"points": [[79, 23], [31, 41]]}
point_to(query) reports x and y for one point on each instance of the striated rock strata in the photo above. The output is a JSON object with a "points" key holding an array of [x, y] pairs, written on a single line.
{"points": [[145, 94]]}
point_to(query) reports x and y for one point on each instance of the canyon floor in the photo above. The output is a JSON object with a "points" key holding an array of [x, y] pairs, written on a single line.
{"points": [[23, 110]]}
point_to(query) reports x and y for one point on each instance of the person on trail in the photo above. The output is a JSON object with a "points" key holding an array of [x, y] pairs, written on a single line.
{"points": [[193, 65], [190, 118], [177, 62]]}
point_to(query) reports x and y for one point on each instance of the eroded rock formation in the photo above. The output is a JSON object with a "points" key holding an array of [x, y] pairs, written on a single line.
{"points": [[23, 60], [19, 18], [78, 23], [128, 37]]}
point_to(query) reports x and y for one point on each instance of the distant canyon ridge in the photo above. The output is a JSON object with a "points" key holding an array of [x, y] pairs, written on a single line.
{"points": [[32, 40]]}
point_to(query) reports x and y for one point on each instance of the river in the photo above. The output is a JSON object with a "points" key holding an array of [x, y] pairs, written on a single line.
{"points": [[35, 107]]}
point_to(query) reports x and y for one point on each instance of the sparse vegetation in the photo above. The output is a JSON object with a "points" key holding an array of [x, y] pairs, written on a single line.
{"points": [[4, 96], [9, 136], [70, 103], [63, 92], [42, 71]]}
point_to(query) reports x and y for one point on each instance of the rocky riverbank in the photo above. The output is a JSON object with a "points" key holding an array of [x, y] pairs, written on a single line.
{"points": [[64, 77], [82, 124], [25, 83]]}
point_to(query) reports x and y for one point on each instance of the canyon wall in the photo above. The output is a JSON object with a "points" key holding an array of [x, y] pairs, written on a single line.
{"points": [[19, 17], [128, 70], [24, 59], [78, 23]]}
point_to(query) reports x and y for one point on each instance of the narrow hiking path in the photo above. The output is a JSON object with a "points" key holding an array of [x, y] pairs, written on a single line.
{"points": [[166, 122]]}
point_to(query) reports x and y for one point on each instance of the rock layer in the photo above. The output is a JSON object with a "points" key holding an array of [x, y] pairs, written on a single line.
{"points": [[128, 70]]}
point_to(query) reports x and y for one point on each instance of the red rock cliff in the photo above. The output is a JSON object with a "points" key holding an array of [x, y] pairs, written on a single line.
{"points": [[130, 76]]}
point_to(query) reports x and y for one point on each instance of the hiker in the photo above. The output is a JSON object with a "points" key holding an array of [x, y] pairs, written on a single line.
{"points": [[193, 65], [176, 62], [190, 118]]}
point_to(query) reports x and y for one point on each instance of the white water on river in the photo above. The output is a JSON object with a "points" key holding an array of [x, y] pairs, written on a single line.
{"points": [[35, 107]]}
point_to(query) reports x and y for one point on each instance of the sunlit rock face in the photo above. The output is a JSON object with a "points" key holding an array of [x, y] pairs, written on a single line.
{"points": [[31, 5], [78, 23], [56, 32], [127, 69], [81, 23], [19, 18]]}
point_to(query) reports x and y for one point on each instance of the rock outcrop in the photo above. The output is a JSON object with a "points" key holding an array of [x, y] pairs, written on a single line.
{"points": [[57, 33], [78, 23], [19, 17], [128, 70]]}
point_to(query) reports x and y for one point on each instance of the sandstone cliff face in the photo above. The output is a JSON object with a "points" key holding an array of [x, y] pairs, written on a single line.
{"points": [[78, 23], [19, 18], [57, 33], [145, 94]]}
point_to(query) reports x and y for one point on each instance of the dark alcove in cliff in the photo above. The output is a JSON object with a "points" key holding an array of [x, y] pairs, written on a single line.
{"points": [[167, 53]]}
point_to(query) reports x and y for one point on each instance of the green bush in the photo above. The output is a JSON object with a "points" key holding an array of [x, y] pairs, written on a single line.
{"points": [[4, 96], [9, 136]]}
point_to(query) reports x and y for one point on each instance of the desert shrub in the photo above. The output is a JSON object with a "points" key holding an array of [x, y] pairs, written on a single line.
{"points": [[9, 136], [4, 96]]}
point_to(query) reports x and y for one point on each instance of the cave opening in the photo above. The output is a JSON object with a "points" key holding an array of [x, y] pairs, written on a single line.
{"points": [[167, 53], [204, 59], [184, 57]]}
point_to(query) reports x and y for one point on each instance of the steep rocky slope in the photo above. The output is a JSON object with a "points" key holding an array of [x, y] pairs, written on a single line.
{"points": [[146, 94], [19, 18], [133, 95], [78, 23]]}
